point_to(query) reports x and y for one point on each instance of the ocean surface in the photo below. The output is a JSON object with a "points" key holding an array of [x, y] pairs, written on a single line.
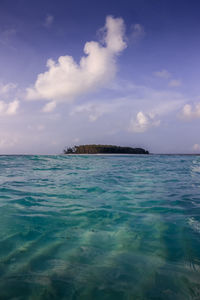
{"points": [[100, 227]]}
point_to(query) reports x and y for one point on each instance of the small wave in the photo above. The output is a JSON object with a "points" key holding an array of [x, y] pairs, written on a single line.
{"points": [[194, 224], [196, 169]]}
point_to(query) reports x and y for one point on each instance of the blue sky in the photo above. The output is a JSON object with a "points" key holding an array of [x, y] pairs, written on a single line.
{"points": [[117, 72]]}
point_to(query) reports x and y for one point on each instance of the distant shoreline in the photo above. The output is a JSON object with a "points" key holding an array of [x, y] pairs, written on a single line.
{"points": [[103, 149], [105, 154], [128, 154]]}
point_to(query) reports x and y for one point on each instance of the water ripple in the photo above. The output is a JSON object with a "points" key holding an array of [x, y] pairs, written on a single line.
{"points": [[100, 227]]}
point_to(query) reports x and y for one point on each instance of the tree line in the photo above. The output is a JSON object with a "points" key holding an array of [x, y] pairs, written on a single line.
{"points": [[109, 149]]}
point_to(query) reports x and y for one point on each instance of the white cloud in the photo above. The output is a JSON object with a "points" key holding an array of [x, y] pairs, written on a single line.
{"points": [[48, 21], [190, 112], [7, 142], [9, 108], [162, 74], [175, 83], [143, 122], [153, 104], [137, 32], [95, 110], [65, 80], [12, 107], [50, 106], [6, 88], [196, 147], [166, 75], [92, 110]]}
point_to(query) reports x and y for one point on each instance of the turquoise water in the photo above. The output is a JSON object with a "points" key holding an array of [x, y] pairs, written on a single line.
{"points": [[100, 227]]}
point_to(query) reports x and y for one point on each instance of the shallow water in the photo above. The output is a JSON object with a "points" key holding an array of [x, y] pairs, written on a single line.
{"points": [[100, 227]]}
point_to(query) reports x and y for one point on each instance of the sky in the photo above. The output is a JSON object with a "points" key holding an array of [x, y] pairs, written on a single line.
{"points": [[99, 72]]}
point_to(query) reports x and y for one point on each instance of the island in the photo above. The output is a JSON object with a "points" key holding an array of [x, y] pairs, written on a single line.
{"points": [[103, 149]]}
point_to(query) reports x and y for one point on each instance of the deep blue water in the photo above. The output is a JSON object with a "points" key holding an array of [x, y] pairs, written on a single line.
{"points": [[100, 227]]}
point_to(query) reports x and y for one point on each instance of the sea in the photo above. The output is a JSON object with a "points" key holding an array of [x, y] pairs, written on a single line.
{"points": [[98, 227]]}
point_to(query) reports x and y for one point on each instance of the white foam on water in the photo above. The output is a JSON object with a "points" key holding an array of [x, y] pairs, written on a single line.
{"points": [[194, 224]]}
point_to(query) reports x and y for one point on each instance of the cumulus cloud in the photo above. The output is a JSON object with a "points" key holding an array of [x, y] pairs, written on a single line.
{"points": [[95, 110], [190, 112], [48, 21], [196, 147], [137, 32], [6, 88], [143, 122], [167, 75], [162, 74], [65, 79], [50, 106], [9, 109], [175, 83], [7, 142], [12, 107]]}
